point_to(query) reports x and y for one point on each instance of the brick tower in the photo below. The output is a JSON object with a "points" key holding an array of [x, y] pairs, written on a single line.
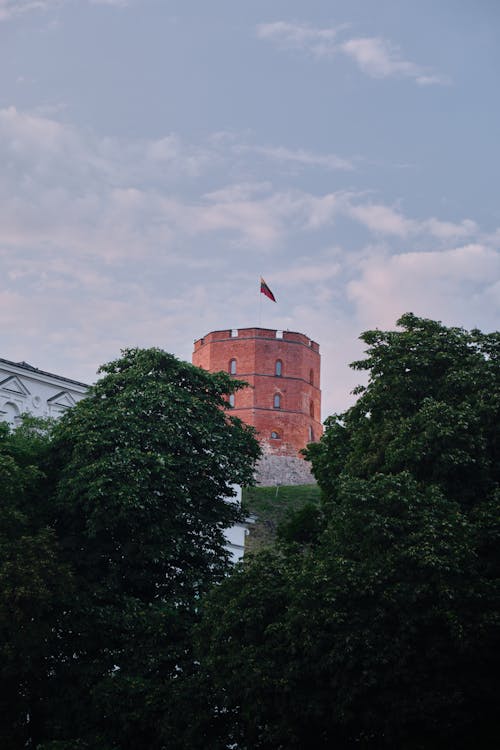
{"points": [[282, 369]]}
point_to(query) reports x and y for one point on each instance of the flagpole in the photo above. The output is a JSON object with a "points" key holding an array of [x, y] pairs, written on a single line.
{"points": [[260, 304]]}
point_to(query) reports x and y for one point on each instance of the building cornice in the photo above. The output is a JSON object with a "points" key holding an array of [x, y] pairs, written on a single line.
{"points": [[27, 370]]}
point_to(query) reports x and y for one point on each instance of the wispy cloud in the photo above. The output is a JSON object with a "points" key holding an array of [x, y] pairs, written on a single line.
{"points": [[379, 58], [434, 283], [117, 3], [381, 219], [318, 42], [145, 241], [300, 157], [448, 230], [387, 220], [113, 195], [375, 56], [10, 9]]}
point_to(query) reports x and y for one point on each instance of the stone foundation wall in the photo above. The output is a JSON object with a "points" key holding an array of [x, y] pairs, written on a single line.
{"points": [[286, 470]]}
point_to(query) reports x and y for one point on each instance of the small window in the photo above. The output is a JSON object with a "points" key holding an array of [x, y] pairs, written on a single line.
{"points": [[231, 400], [311, 434], [278, 368], [311, 377], [277, 401], [232, 367], [311, 410], [275, 435]]}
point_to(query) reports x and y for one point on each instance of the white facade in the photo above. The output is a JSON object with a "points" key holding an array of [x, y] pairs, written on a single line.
{"points": [[235, 536], [25, 389]]}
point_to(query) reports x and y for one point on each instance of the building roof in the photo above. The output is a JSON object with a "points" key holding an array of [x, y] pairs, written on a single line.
{"points": [[30, 368]]}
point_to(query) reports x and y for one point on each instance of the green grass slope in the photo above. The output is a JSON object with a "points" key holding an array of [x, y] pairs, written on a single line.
{"points": [[271, 506]]}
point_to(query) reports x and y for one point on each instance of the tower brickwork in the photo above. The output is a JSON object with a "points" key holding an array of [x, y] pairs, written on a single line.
{"points": [[282, 369]]}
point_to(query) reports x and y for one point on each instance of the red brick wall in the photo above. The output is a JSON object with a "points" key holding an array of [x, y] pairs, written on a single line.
{"points": [[256, 351]]}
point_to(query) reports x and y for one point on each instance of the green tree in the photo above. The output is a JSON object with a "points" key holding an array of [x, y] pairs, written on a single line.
{"points": [[381, 633], [33, 582], [431, 407], [137, 480]]}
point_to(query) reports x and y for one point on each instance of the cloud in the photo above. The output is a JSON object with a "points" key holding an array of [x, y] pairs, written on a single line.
{"points": [[116, 3], [41, 143], [387, 220], [300, 157], [309, 269], [69, 191], [61, 185], [436, 284], [255, 213], [372, 288], [319, 42], [379, 59], [447, 230], [107, 242], [381, 219], [474, 263], [432, 79], [240, 191], [114, 195], [10, 9], [375, 56]]}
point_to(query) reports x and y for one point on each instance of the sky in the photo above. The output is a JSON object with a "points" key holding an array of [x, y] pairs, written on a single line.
{"points": [[158, 156]]}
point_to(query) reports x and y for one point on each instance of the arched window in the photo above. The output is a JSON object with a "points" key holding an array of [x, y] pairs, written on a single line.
{"points": [[231, 400], [311, 434], [11, 413], [311, 409], [277, 401], [311, 377], [278, 368], [275, 435], [232, 367]]}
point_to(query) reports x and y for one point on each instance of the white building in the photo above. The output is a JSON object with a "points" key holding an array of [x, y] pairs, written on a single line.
{"points": [[25, 389], [235, 536]]}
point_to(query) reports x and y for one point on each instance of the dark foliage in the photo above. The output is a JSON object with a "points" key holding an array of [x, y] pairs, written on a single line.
{"points": [[382, 631], [111, 532]]}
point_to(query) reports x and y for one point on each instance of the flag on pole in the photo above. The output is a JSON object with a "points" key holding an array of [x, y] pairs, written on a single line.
{"points": [[264, 289]]}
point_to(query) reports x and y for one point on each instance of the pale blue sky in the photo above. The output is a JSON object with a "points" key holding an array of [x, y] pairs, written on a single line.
{"points": [[157, 156]]}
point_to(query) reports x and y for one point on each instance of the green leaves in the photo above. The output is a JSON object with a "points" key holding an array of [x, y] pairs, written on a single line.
{"points": [[373, 625], [431, 406], [112, 532], [377, 627]]}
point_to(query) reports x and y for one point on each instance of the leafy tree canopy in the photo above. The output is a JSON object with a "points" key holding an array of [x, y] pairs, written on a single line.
{"points": [[118, 520], [431, 407], [145, 464], [377, 627]]}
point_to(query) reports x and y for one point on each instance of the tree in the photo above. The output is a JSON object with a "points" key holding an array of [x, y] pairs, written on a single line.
{"points": [[382, 631], [33, 581], [431, 407], [138, 479]]}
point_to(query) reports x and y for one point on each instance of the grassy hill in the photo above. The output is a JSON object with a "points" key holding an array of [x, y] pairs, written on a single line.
{"points": [[272, 505]]}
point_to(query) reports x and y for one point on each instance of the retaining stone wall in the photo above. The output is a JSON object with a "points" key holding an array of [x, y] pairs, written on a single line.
{"points": [[284, 470]]}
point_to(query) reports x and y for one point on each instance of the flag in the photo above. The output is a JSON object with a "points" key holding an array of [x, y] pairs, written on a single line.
{"points": [[264, 289]]}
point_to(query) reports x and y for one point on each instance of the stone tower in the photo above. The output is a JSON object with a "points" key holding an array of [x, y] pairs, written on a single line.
{"points": [[283, 398]]}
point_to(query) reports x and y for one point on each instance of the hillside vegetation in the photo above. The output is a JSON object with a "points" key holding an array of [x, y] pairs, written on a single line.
{"points": [[272, 506]]}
